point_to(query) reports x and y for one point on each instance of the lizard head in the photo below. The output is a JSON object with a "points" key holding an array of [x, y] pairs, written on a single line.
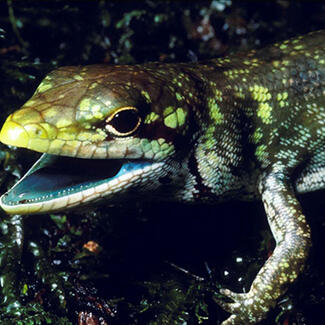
{"points": [[104, 130]]}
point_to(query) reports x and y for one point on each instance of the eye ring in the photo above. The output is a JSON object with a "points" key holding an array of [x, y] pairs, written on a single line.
{"points": [[124, 121]]}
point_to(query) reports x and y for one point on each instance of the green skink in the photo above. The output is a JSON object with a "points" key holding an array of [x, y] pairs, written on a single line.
{"points": [[246, 126]]}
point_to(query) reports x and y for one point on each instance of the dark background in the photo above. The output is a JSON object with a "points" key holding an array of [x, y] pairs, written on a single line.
{"points": [[135, 272]]}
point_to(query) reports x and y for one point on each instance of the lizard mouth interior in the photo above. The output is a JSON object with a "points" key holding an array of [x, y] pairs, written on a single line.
{"points": [[56, 176]]}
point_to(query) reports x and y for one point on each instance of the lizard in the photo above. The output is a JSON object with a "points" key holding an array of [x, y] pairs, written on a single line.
{"points": [[249, 125]]}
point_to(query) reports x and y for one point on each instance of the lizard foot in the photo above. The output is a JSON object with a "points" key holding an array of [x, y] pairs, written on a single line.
{"points": [[245, 308]]}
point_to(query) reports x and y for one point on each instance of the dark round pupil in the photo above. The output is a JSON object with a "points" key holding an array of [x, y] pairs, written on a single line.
{"points": [[125, 121]]}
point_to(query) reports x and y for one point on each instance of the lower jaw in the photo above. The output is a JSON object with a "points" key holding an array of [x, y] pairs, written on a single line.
{"points": [[56, 183]]}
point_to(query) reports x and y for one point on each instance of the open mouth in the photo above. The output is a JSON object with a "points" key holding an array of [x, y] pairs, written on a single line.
{"points": [[57, 182]]}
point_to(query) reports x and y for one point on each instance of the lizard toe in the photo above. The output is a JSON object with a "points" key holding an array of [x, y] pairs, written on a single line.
{"points": [[244, 309], [233, 295]]}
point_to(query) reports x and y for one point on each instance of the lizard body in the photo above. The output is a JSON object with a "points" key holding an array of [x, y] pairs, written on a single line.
{"points": [[250, 125]]}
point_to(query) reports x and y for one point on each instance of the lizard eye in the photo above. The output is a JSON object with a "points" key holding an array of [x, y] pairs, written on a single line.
{"points": [[124, 121]]}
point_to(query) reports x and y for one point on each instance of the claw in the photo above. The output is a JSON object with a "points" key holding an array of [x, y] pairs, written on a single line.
{"points": [[230, 307], [244, 309]]}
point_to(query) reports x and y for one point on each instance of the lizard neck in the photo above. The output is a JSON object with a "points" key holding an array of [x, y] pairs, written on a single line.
{"points": [[219, 161]]}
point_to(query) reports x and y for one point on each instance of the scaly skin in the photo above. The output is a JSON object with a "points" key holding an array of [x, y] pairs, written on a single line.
{"points": [[250, 126]]}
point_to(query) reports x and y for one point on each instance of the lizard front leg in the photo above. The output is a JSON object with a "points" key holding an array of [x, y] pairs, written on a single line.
{"points": [[292, 236]]}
